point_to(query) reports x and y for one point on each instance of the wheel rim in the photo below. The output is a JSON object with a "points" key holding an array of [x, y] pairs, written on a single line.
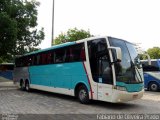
{"points": [[82, 94], [22, 85], [27, 86], [154, 87]]}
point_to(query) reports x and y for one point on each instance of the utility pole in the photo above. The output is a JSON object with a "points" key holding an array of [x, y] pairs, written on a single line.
{"points": [[52, 38]]}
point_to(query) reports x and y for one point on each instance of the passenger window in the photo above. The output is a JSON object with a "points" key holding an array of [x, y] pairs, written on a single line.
{"points": [[153, 67], [72, 53], [59, 55], [78, 53], [49, 57]]}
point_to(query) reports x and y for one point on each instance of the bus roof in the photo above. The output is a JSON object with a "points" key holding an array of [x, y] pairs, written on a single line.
{"points": [[51, 48], [70, 43], [61, 45]]}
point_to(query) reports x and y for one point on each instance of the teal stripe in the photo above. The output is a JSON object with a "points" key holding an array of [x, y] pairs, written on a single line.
{"points": [[66, 75], [131, 87]]}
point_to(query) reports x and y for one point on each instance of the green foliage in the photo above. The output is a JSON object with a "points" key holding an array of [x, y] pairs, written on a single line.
{"points": [[143, 56], [18, 32], [72, 35], [8, 34], [154, 52]]}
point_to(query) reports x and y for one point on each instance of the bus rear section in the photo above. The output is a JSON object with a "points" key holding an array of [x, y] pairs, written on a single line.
{"points": [[151, 74]]}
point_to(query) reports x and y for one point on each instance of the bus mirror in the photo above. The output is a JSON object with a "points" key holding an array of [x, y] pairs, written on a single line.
{"points": [[118, 53]]}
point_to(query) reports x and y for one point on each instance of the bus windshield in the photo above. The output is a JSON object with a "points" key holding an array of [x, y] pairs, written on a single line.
{"points": [[128, 69]]}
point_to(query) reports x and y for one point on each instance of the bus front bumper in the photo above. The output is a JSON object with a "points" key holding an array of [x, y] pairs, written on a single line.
{"points": [[124, 96]]}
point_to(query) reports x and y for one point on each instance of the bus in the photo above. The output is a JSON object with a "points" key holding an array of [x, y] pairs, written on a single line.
{"points": [[151, 74], [97, 68], [6, 70]]}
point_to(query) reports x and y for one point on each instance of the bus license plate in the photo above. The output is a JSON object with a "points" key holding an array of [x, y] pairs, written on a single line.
{"points": [[135, 96]]}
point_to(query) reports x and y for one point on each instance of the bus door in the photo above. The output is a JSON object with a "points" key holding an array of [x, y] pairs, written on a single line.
{"points": [[101, 68]]}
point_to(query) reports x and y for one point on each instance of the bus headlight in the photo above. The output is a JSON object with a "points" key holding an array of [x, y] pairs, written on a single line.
{"points": [[120, 88]]}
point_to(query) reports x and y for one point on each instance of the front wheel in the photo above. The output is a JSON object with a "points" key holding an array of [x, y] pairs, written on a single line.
{"points": [[83, 95], [27, 86], [22, 85], [153, 86]]}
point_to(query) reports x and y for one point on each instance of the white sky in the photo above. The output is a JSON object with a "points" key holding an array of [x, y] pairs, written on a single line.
{"points": [[136, 21]]}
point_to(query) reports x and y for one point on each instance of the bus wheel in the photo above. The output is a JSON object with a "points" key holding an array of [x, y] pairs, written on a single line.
{"points": [[153, 86], [27, 87], [83, 95], [22, 85]]}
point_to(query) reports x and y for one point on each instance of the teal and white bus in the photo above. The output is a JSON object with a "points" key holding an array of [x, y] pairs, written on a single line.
{"points": [[97, 68]]}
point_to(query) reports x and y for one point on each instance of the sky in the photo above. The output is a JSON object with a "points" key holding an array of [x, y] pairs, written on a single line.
{"points": [[137, 21]]}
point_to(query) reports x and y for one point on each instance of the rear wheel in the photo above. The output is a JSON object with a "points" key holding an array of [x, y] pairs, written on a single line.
{"points": [[153, 86], [83, 95]]}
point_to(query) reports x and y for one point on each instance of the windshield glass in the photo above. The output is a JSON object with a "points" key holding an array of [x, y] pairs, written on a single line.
{"points": [[134, 55], [125, 70]]}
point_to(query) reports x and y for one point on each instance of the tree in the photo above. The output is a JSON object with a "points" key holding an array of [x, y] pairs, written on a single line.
{"points": [[154, 52], [18, 32], [72, 35], [8, 36]]}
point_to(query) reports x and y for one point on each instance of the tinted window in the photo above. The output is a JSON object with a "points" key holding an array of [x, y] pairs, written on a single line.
{"points": [[49, 57], [155, 64], [153, 67], [6, 67], [38, 59], [77, 53], [72, 53], [59, 55]]}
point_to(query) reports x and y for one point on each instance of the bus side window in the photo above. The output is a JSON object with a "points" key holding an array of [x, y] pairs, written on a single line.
{"points": [[24, 61], [38, 59], [67, 58], [17, 63], [43, 58], [78, 52], [82, 54], [59, 55], [30, 60], [35, 60], [49, 58]]}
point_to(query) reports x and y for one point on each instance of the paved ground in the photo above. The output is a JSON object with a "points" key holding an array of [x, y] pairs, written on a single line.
{"points": [[14, 101]]}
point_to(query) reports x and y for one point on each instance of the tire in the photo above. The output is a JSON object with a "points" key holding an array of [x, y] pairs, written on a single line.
{"points": [[83, 95], [22, 85], [153, 86], [27, 86]]}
